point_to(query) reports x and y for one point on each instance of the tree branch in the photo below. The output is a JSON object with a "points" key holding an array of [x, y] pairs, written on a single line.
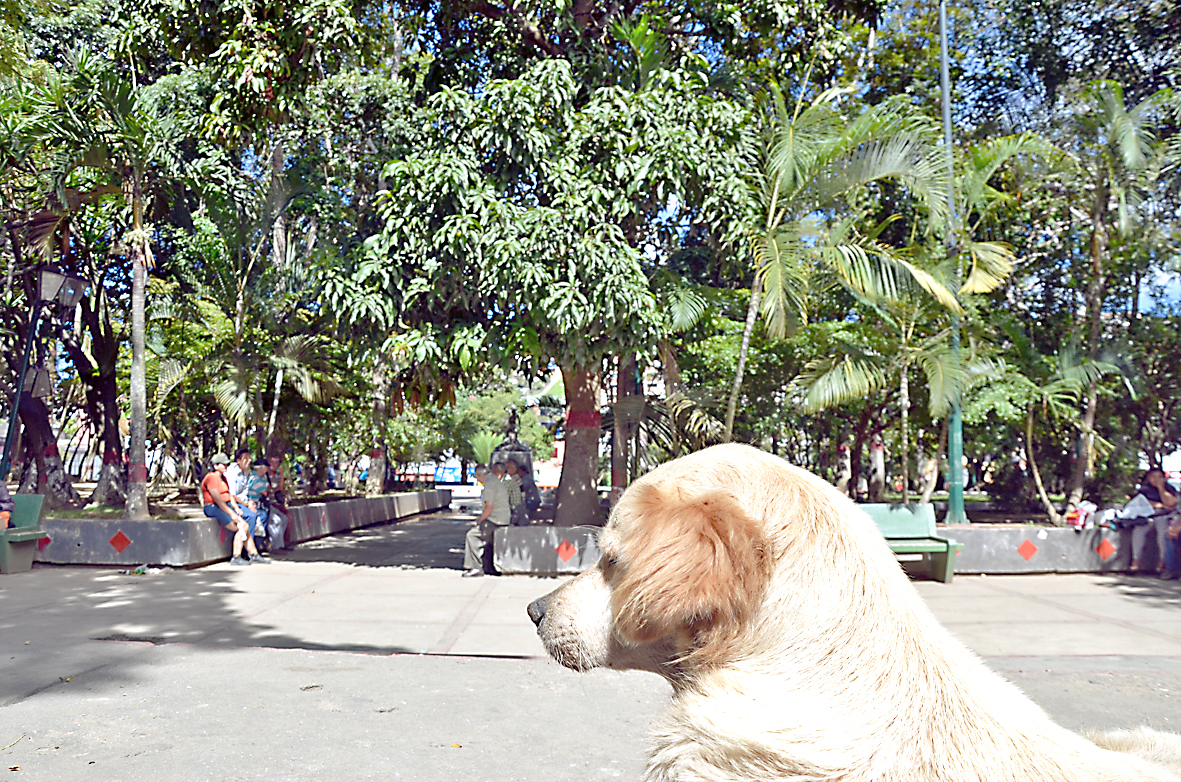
{"points": [[528, 28]]}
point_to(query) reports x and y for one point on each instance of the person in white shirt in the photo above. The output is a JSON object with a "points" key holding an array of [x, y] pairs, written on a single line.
{"points": [[237, 475]]}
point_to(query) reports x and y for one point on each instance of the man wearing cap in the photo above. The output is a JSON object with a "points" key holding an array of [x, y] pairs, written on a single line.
{"points": [[221, 505]]}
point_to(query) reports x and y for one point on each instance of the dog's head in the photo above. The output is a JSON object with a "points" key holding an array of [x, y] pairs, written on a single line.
{"points": [[686, 560]]}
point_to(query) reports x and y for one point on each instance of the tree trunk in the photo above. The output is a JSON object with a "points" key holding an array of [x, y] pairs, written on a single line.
{"points": [[904, 403], [278, 205], [1096, 292], [846, 469], [877, 469], [578, 496], [621, 434], [375, 482], [274, 406], [855, 454], [41, 445], [931, 478], [137, 470], [111, 489], [752, 313], [1083, 468], [1055, 518]]}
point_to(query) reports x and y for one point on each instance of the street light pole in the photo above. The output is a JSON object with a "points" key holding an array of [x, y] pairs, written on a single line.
{"points": [[955, 428], [13, 416]]}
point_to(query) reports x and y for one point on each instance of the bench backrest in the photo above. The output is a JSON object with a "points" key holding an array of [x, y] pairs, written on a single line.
{"points": [[26, 510], [916, 520]]}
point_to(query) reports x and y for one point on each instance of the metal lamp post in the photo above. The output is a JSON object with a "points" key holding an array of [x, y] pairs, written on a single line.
{"points": [[52, 286], [955, 425]]}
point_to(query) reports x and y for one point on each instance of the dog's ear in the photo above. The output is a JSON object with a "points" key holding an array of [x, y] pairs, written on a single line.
{"points": [[695, 565]]}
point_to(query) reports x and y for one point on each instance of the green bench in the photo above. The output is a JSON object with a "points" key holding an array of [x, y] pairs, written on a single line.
{"points": [[18, 543], [910, 529]]}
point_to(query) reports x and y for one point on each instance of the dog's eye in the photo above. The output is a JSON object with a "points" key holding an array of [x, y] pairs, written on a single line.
{"points": [[608, 561]]}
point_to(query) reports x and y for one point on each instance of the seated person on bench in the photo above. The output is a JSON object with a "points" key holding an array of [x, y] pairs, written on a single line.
{"points": [[221, 505], [1163, 499], [6, 505]]}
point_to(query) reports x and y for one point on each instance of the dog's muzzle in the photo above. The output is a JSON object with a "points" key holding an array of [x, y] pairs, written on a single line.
{"points": [[538, 608]]}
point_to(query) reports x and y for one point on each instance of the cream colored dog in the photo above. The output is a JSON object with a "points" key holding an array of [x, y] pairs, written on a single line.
{"points": [[797, 648]]}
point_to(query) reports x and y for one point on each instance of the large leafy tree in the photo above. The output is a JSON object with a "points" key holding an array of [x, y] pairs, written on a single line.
{"points": [[521, 233]]}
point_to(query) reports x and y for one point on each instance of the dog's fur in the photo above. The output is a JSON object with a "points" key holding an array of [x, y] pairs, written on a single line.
{"points": [[797, 648]]}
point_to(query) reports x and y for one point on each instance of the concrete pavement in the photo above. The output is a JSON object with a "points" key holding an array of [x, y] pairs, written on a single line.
{"points": [[365, 655]]}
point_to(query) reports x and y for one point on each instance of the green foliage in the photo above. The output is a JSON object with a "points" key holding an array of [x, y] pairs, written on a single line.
{"points": [[521, 230], [481, 445], [361, 215]]}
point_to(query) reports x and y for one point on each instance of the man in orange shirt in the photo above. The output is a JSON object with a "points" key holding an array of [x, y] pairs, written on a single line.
{"points": [[221, 505]]}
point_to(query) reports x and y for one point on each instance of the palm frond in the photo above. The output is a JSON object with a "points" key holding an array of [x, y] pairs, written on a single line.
{"points": [[832, 381], [990, 263], [920, 166], [783, 277], [946, 375]]}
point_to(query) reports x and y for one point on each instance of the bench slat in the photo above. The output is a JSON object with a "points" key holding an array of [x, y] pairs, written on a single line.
{"points": [[20, 535], [920, 546]]}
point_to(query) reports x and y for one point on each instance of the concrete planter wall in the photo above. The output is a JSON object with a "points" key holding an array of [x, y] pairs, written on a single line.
{"points": [[180, 543], [1015, 548], [545, 550], [995, 549]]}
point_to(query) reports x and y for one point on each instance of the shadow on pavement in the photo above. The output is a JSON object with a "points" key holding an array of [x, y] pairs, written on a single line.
{"points": [[433, 541], [52, 617], [1149, 588]]}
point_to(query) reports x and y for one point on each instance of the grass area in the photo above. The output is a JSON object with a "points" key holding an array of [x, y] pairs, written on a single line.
{"points": [[97, 512]]}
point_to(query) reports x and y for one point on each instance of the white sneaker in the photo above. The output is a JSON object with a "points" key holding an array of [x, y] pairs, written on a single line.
{"points": [[475, 572]]}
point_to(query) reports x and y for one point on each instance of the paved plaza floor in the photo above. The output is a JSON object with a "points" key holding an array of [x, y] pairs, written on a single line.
{"points": [[366, 656]]}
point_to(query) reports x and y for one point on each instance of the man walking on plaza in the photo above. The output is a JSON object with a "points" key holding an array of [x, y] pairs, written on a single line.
{"points": [[495, 514]]}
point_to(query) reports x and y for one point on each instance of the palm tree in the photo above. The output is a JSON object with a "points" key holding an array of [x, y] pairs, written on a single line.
{"points": [[1117, 154], [94, 118], [868, 359], [235, 301], [814, 156], [1053, 383], [854, 372]]}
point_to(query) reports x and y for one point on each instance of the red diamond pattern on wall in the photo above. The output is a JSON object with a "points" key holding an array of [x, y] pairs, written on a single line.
{"points": [[1105, 549], [566, 549], [1027, 549], [42, 543], [120, 541]]}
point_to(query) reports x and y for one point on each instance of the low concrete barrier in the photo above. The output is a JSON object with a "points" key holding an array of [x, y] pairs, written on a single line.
{"points": [[995, 549], [1013, 548], [185, 542], [542, 549]]}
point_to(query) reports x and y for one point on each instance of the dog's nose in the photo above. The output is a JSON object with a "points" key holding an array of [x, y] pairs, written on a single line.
{"points": [[537, 608]]}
